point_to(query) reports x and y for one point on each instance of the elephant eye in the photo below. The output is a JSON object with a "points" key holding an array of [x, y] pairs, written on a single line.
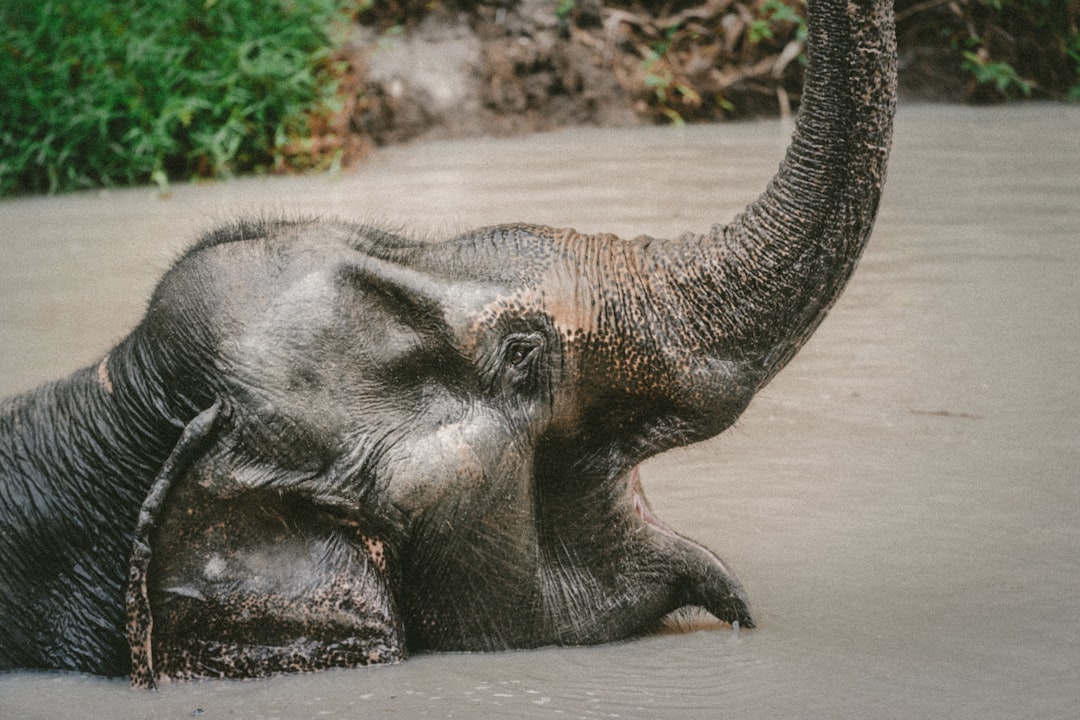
{"points": [[521, 354]]}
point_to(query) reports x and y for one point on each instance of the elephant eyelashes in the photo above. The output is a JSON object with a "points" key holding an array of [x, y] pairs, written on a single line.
{"points": [[521, 356]]}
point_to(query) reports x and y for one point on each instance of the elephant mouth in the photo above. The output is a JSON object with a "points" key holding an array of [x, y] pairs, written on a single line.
{"points": [[642, 507]]}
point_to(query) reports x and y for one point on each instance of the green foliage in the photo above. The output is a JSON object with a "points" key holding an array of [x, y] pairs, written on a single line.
{"points": [[777, 11], [1072, 50], [660, 79], [1016, 47], [1000, 74], [563, 8], [115, 92], [679, 47]]}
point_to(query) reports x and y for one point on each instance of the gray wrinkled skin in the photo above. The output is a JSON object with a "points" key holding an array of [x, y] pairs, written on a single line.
{"points": [[327, 445]]}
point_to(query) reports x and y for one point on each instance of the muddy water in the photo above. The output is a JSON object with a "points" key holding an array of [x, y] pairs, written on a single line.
{"points": [[902, 502]]}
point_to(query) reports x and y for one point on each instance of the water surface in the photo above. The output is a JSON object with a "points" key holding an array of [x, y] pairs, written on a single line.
{"points": [[902, 502]]}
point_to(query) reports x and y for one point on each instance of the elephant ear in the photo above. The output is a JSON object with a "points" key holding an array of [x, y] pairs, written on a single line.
{"points": [[234, 581]]}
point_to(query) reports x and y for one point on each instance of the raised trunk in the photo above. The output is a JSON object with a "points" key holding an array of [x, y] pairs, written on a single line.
{"points": [[765, 281]]}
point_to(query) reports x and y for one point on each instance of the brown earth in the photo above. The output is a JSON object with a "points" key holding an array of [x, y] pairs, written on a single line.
{"points": [[458, 68]]}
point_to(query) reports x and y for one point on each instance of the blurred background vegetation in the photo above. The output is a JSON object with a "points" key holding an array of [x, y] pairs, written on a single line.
{"points": [[118, 92], [115, 92]]}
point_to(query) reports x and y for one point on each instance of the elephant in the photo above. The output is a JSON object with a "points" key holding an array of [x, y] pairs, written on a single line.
{"points": [[330, 445]]}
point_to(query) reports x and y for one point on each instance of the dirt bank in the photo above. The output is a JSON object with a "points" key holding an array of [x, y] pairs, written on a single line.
{"points": [[461, 68]]}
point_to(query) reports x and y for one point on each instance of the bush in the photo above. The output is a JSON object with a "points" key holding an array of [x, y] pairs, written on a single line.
{"points": [[116, 92], [1003, 48]]}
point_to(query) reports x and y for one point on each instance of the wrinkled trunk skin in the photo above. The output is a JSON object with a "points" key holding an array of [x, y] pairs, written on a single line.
{"points": [[756, 289], [670, 339], [782, 263]]}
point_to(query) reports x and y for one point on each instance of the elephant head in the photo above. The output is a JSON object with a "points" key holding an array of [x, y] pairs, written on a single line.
{"points": [[433, 446], [390, 444]]}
